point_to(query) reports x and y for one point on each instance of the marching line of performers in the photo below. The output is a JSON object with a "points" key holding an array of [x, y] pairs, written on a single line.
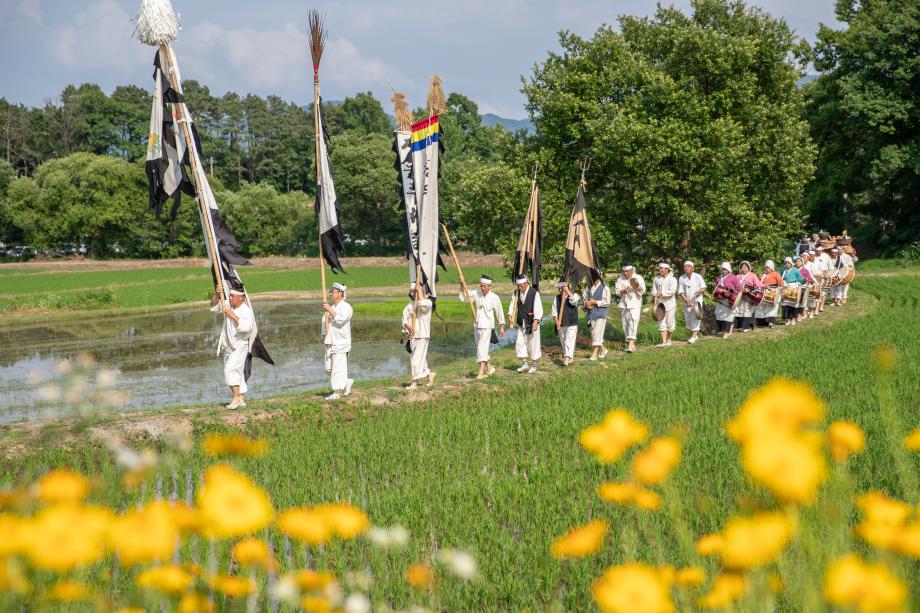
{"points": [[743, 301]]}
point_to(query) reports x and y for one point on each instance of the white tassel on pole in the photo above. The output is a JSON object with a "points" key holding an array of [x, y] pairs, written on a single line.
{"points": [[157, 22]]}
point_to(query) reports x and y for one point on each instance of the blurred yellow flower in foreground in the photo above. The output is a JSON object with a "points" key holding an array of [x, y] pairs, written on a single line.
{"points": [[692, 576], [231, 505], [793, 467], [845, 439], [129, 610], [908, 541], [316, 525], [726, 589], [195, 602], [253, 552], [749, 542], [632, 588], [873, 588], [13, 577], [145, 535], [12, 530], [912, 440], [710, 544], [612, 437], [64, 537], [654, 463], [628, 492], [311, 580], [232, 585], [316, 604], [420, 576], [62, 485], [580, 541], [883, 519], [69, 591], [168, 579], [233, 445], [780, 406]]}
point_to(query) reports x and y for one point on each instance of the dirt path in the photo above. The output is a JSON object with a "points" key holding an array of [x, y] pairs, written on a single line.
{"points": [[282, 263]]}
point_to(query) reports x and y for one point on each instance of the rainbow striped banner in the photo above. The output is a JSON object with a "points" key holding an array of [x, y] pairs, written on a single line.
{"points": [[424, 133]]}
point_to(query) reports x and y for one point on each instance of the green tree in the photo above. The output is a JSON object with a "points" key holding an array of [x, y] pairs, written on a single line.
{"points": [[693, 129], [131, 121], [865, 118], [265, 221], [367, 191], [364, 114]]}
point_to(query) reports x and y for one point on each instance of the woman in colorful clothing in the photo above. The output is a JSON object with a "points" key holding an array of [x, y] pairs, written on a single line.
{"points": [[725, 314], [791, 278], [808, 279], [765, 313], [744, 312]]}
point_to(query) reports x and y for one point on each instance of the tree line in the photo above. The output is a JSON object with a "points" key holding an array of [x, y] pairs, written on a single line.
{"points": [[699, 137]]}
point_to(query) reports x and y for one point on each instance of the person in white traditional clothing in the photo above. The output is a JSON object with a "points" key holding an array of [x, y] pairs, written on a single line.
{"points": [[824, 260], [526, 311], [690, 287], [416, 322], [488, 311], [838, 266], [664, 291], [597, 301], [337, 341], [565, 314], [234, 341], [849, 260], [630, 287], [814, 270]]}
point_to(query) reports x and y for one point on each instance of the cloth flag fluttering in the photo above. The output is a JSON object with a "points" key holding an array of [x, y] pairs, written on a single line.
{"points": [[528, 257], [174, 166], [580, 258], [327, 208], [403, 165]]}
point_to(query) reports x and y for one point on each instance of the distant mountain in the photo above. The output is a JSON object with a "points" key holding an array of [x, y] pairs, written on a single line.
{"points": [[512, 125]]}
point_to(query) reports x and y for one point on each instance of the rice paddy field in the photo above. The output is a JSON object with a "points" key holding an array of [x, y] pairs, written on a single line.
{"points": [[485, 476]]}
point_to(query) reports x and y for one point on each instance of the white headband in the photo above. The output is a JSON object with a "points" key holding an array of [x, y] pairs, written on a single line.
{"points": [[689, 263], [664, 265], [628, 267], [339, 287], [236, 292], [521, 279], [561, 284], [770, 264], [485, 281]]}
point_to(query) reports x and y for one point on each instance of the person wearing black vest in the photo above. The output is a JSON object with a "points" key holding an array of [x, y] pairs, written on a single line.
{"points": [[526, 311], [597, 300], [565, 313]]}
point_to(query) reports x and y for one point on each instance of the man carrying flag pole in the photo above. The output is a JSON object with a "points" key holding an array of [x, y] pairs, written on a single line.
{"points": [[173, 143], [526, 308]]}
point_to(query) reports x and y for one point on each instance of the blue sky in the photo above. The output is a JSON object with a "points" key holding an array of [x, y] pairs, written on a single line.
{"points": [[480, 47]]}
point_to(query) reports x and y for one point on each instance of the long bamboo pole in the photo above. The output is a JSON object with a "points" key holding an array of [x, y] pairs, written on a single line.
{"points": [[318, 136], [453, 254], [530, 239], [166, 51]]}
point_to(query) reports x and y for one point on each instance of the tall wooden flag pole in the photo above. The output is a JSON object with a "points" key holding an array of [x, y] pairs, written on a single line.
{"points": [[317, 44], [466, 292], [526, 245]]}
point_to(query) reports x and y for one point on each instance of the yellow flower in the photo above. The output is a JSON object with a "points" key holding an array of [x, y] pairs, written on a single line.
{"points": [[884, 357], [185, 518], [62, 485], [144, 535], [781, 406], [12, 530], [253, 552], [792, 467], [316, 604], [195, 602], [873, 588], [750, 542], [692, 576], [632, 588], [726, 589], [580, 541], [61, 538], [344, 520], [845, 439], [167, 579], [710, 544], [912, 440], [611, 438], [908, 541], [306, 525], [234, 445], [129, 610], [883, 519], [231, 505], [655, 462], [311, 580], [420, 576], [69, 591], [628, 492], [232, 585]]}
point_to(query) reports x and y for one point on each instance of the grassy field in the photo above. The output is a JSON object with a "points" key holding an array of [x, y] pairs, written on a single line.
{"points": [[495, 468], [163, 286]]}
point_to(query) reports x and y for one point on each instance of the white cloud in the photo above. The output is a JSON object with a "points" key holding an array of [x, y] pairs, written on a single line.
{"points": [[98, 38], [30, 9]]}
